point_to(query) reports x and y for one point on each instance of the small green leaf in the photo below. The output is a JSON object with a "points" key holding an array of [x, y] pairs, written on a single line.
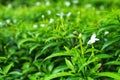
{"points": [[109, 74], [60, 74], [102, 56], [94, 69], [69, 64], [25, 40], [57, 55], [59, 68], [113, 63], [108, 43], [87, 63], [2, 58], [33, 47], [7, 68]]}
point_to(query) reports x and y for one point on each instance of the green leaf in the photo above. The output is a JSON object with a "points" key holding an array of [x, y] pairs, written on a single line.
{"points": [[108, 43], [25, 40], [109, 74], [57, 55], [94, 69], [69, 64], [60, 74], [102, 56], [34, 76], [59, 68], [33, 48], [113, 63], [50, 45], [87, 63], [50, 67], [2, 58], [66, 48], [7, 68]]}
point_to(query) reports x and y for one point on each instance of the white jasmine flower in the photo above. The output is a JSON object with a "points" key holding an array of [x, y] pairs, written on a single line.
{"points": [[75, 1], [38, 3], [101, 7], [8, 21], [47, 3], [49, 12], [67, 3], [106, 32], [61, 15], [51, 20], [1, 23], [93, 39], [35, 26], [88, 5], [68, 14], [9, 6], [42, 25]]}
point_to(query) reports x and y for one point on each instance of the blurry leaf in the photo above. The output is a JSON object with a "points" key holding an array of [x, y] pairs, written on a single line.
{"points": [[89, 78], [2, 58], [87, 63], [109, 74], [59, 68], [15, 73], [50, 67], [94, 69], [60, 74], [113, 63], [69, 64], [66, 48], [25, 40], [33, 47], [50, 45], [102, 56], [35, 76], [108, 43], [7, 68], [90, 50], [74, 78], [57, 55]]}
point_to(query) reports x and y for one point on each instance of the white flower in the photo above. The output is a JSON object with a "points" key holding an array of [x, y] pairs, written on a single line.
{"points": [[75, 1], [61, 15], [35, 26], [68, 14], [93, 39], [38, 3], [51, 20], [47, 3], [106, 32], [88, 5], [49, 12], [67, 3], [8, 21], [42, 25], [102, 7], [9, 6], [1, 23]]}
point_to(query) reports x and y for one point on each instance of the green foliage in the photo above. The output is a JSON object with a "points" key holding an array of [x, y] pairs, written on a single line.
{"points": [[48, 40]]}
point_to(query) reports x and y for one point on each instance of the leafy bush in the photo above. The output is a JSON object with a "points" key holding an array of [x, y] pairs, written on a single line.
{"points": [[60, 40]]}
